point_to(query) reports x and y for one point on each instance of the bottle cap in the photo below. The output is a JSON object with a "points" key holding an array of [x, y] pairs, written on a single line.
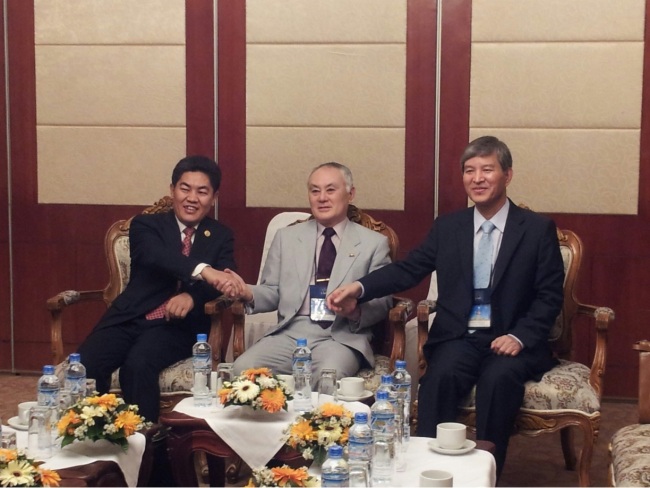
{"points": [[382, 395], [201, 337], [75, 357], [335, 451], [301, 342], [48, 369], [361, 418], [400, 364], [386, 379]]}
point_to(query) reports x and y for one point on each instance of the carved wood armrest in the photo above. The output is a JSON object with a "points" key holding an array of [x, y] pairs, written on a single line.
{"points": [[56, 305], [424, 309], [643, 346], [238, 328], [215, 309], [397, 317], [602, 316]]}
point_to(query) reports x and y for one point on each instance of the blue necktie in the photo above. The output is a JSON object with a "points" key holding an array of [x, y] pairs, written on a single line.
{"points": [[483, 257]]}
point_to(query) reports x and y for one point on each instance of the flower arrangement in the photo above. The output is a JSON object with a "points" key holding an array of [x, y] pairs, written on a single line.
{"points": [[257, 388], [312, 433], [282, 476], [16, 469], [100, 417]]}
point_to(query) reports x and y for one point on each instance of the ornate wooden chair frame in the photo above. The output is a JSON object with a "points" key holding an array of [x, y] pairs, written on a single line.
{"points": [[118, 260], [535, 421]]}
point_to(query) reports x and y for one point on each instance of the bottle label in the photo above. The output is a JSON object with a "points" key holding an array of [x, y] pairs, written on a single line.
{"points": [[202, 361], [360, 448], [48, 398], [383, 423], [76, 385], [302, 365]]}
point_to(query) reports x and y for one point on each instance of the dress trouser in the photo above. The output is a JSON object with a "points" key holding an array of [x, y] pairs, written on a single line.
{"points": [[453, 368], [141, 349]]}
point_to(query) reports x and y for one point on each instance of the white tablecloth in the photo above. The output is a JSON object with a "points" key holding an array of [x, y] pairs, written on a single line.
{"points": [[475, 468], [255, 436], [80, 453]]}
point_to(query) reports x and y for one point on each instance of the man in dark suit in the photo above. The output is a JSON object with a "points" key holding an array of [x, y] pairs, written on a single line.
{"points": [[507, 343], [176, 258]]}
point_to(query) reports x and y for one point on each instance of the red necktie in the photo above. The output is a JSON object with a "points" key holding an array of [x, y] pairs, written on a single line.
{"points": [[159, 311]]}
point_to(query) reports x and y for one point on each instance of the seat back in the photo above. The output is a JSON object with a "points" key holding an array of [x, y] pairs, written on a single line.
{"points": [[117, 251], [644, 381]]}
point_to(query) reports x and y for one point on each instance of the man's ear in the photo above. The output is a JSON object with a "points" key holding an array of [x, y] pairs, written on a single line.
{"points": [[353, 192]]}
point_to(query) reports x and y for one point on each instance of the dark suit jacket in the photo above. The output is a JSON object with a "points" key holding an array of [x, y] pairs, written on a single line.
{"points": [[527, 287], [157, 267]]}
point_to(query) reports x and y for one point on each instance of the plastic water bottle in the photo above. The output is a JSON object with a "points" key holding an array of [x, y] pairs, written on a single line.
{"points": [[386, 385], [202, 368], [360, 450], [75, 378], [335, 469], [382, 423], [302, 377], [402, 390], [48, 388]]}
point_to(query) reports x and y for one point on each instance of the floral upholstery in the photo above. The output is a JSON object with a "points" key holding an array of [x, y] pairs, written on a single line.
{"points": [[630, 454], [372, 377], [564, 387], [122, 251]]}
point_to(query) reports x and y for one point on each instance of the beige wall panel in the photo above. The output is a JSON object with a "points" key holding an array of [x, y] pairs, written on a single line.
{"points": [[573, 171], [109, 21], [557, 20], [591, 85], [279, 161], [326, 85], [110, 85], [112, 166], [339, 21]]}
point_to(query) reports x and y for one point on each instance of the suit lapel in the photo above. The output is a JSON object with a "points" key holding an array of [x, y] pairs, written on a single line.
{"points": [[465, 242], [304, 255], [346, 255], [204, 238], [512, 235]]}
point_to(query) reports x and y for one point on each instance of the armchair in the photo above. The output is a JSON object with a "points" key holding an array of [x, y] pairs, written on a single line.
{"points": [[175, 381], [630, 445], [567, 396], [389, 339]]}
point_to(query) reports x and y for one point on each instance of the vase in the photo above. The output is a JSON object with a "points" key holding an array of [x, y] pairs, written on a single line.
{"points": [[259, 414]]}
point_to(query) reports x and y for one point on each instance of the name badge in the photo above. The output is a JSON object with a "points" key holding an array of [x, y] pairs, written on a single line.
{"points": [[480, 314], [318, 310]]}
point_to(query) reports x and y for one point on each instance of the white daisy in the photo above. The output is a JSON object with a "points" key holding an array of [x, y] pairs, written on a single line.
{"points": [[245, 390]]}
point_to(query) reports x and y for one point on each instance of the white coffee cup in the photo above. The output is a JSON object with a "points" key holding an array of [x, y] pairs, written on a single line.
{"points": [[23, 412], [451, 435], [436, 477], [350, 387], [288, 380]]}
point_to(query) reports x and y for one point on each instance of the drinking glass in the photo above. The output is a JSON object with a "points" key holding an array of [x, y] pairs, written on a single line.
{"points": [[91, 386], [327, 385], [224, 373], [39, 433]]}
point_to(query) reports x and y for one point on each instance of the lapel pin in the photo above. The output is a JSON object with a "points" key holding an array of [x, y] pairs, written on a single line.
{"points": [[206, 233], [351, 255]]}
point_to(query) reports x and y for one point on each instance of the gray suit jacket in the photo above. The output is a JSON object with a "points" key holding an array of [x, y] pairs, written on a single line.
{"points": [[288, 271]]}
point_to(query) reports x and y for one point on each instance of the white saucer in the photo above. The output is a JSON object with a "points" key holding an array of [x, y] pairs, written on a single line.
{"points": [[14, 424], [366, 394], [468, 446]]}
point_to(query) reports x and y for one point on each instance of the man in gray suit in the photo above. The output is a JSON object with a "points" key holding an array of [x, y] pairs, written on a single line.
{"points": [[292, 284]]}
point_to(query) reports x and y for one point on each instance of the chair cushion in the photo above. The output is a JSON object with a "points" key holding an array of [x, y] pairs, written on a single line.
{"points": [[630, 451], [178, 378], [564, 387], [372, 377]]}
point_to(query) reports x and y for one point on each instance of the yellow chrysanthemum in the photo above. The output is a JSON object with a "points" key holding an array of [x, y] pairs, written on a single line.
{"points": [[49, 477], [303, 430], [344, 436], [286, 476], [7, 455], [68, 423], [251, 373], [128, 421], [224, 393], [108, 400], [17, 473], [333, 410], [272, 400]]}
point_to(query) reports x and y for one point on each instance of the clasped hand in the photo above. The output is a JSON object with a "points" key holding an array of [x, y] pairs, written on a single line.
{"points": [[343, 300]]}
